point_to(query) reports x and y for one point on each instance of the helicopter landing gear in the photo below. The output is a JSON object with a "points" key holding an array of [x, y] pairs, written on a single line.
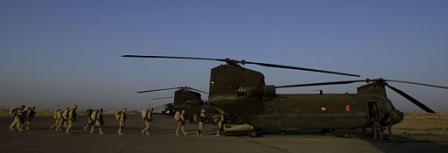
{"points": [[254, 132], [347, 134], [283, 132]]}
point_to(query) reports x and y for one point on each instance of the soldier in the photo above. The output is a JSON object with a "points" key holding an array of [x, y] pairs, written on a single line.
{"points": [[121, 119], [65, 115], [90, 121], [386, 124], [147, 118], [219, 120], [60, 120], [376, 128], [17, 115], [56, 121], [180, 120], [201, 120], [97, 118], [71, 118], [28, 117]]}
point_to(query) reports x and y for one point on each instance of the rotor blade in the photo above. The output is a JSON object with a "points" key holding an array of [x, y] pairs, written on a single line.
{"points": [[412, 99], [416, 83], [176, 57], [232, 61], [158, 90], [162, 98], [299, 68], [197, 90], [320, 84]]}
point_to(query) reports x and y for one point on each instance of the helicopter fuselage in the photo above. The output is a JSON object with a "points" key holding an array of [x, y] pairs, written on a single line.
{"points": [[242, 92]]}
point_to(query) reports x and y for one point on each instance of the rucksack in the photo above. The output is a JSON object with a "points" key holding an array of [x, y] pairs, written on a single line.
{"points": [[65, 114], [177, 116], [12, 111], [93, 115], [144, 114]]}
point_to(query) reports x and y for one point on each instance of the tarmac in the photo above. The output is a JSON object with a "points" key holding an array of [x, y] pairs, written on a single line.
{"points": [[163, 140]]}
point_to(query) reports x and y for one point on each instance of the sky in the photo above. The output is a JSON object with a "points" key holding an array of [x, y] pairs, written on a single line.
{"points": [[60, 53]]}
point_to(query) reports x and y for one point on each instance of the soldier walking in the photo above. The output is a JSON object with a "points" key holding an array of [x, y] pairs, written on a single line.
{"points": [[147, 118], [71, 118], [201, 120], [98, 121], [17, 117], [180, 120], [55, 118], [219, 121], [90, 121], [28, 117], [65, 114], [121, 119], [60, 120]]}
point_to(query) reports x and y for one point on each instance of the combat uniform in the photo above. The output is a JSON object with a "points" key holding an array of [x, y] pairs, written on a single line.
{"points": [[17, 115], [121, 119], [97, 118], [72, 117], [147, 118], [90, 121], [65, 116], [200, 120], [59, 120], [376, 128], [219, 120], [55, 117], [28, 117], [180, 120]]}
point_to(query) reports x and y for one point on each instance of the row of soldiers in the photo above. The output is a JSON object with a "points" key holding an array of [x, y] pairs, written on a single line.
{"points": [[180, 117], [21, 118], [65, 118]]}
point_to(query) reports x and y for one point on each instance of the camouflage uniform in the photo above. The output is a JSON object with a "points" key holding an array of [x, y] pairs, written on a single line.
{"points": [[376, 128], [17, 116], [219, 121], [200, 120], [147, 118], [180, 120], [28, 117], [72, 117], [56, 121], [121, 119], [98, 120], [59, 120], [90, 121], [65, 116]]}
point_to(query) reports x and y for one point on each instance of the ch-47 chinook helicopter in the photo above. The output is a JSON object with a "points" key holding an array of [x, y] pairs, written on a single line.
{"points": [[243, 93], [185, 98]]}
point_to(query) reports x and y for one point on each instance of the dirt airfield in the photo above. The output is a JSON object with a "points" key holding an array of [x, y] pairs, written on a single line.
{"points": [[417, 133]]}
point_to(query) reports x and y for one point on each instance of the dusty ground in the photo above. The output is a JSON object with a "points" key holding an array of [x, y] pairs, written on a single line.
{"points": [[423, 124], [41, 139]]}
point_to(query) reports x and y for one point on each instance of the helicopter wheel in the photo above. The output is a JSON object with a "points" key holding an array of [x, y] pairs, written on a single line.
{"points": [[254, 133], [282, 132]]}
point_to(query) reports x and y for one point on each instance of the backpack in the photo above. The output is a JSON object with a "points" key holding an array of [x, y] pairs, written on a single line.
{"points": [[144, 114], [12, 111], [65, 114], [89, 112], [31, 114], [177, 116], [73, 115], [93, 115], [118, 115]]}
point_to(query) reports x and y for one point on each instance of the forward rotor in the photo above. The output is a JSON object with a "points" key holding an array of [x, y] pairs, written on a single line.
{"points": [[174, 88]]}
